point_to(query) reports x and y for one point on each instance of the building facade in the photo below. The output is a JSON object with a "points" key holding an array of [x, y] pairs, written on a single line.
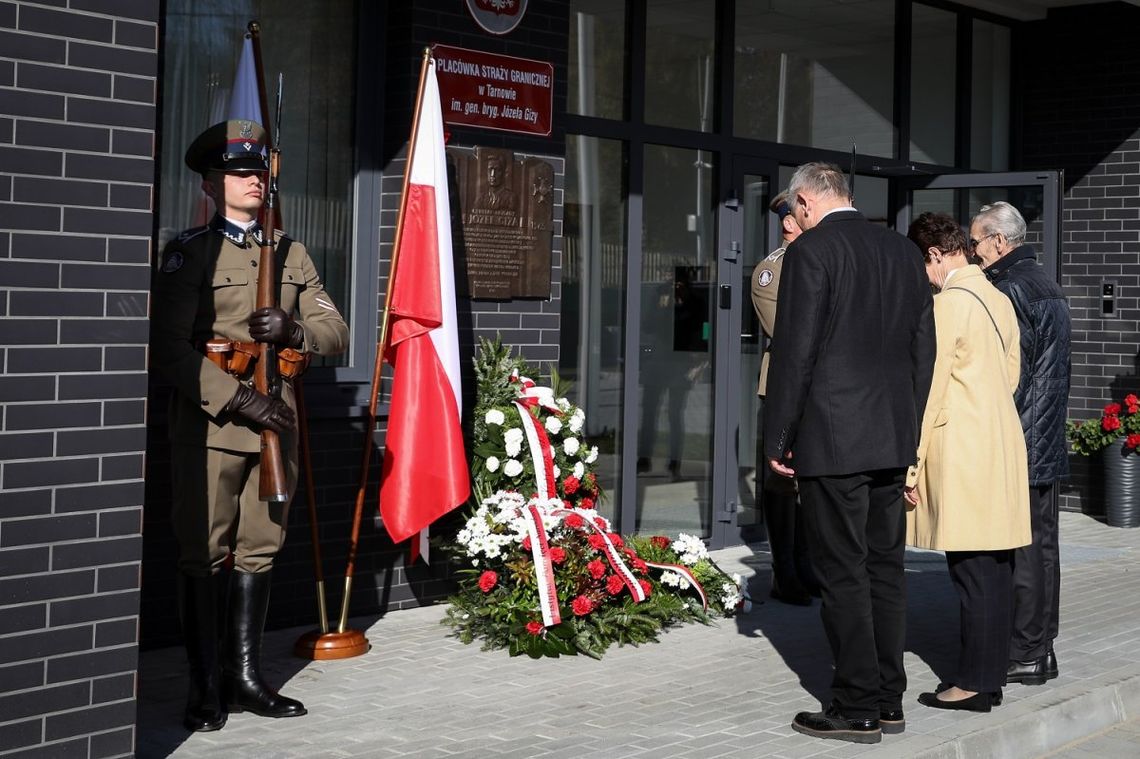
{"points": [[672, 126]]}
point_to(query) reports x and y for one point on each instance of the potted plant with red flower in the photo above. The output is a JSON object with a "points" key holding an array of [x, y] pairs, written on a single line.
{"points": [[1116, 434]]}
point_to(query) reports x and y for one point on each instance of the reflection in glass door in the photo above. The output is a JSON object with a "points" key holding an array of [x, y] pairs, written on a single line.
{"points": [[678, 281], [754, 199]]}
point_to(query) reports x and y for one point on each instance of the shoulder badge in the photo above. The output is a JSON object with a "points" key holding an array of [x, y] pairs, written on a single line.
{"points": [[173, 262], [764, 278]]}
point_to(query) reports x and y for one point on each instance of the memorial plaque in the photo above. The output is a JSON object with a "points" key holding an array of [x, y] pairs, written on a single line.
{"points": [[506, 225]]}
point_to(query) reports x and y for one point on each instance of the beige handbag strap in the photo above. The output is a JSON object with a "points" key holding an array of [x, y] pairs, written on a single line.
{"points": [[979, 299]]}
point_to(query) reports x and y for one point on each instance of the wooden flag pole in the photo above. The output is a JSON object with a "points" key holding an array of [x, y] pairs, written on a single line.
{"points": [[381, 346]]}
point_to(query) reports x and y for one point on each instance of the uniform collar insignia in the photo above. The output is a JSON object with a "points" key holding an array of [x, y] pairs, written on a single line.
{"points": [[234, 233]]}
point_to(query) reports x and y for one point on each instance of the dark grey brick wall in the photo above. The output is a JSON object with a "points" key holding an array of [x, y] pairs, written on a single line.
{"points": [[77, 117], [1080, 70]]}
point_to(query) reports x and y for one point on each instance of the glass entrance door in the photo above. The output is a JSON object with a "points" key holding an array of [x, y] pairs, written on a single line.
{"points": [[1036, 194]]}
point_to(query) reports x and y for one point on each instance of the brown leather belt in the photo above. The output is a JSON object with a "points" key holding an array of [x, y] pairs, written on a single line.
{"points": [[237, 358]]}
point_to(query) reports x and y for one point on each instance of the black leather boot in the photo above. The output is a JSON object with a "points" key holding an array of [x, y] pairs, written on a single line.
{"points": [[198, 608], [243, 687]]}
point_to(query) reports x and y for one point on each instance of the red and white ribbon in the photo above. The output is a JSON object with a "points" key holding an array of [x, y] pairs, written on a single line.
{"points": [[611, 551], [540, 453], [688, 575], [543, 567]]}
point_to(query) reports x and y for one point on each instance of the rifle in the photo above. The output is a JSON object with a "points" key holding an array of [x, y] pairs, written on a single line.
{"points": [[273, 485]]}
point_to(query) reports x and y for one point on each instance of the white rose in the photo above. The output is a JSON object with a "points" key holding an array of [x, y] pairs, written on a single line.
{"points": [[514, 433], [492, 464], [577, 420], [570, 445], [513, 447], [494, 416], [563, 404], [553, 425], [579, 470], [512, 468], [590, 459]]}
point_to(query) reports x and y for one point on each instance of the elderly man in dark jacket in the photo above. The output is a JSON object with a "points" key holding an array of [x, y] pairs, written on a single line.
{"points": [[997, 236]]}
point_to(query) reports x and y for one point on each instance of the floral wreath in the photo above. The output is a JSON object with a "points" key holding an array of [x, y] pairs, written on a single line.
{"points": [[545, 575]]}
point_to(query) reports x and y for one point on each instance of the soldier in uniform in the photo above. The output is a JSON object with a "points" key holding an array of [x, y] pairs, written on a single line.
{"points": [[792, 579], [204, 330]]}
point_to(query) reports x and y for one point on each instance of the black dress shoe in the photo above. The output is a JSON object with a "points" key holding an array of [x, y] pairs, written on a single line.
{"points": [[1033, 672], [831, 723], [1051, 670], [979, 702], [891, 721]]}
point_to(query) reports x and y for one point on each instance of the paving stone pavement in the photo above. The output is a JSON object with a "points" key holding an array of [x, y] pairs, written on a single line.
{"points": [[728, 690], [1118, 742]]}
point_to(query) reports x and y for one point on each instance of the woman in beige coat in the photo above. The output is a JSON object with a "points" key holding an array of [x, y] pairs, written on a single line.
{"points": [[968, 493]]}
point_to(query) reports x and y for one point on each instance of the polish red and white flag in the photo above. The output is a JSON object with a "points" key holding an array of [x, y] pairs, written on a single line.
{"points": [[425, 471]]}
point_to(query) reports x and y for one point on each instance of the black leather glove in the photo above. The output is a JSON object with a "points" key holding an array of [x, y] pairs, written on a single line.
{"points": [[272, 325], [262, 410]]}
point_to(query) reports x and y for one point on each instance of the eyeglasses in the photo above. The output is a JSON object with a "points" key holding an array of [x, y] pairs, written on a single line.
{"points": [[975, 243]]}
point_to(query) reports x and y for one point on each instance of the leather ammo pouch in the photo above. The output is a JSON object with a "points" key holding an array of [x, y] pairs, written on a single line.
{"points": [[238, 358]]}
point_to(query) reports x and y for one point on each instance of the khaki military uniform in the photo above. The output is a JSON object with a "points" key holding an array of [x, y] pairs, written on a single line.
{"points": [[206, 288], [765, 285]]}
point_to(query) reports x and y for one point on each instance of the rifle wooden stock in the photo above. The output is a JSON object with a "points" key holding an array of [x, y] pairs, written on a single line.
{"points": [[273, 485]]}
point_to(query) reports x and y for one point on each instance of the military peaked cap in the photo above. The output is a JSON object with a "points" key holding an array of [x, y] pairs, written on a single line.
{"points": [[235, 145]]}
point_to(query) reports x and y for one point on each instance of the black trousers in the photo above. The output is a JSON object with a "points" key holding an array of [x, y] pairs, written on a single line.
{"points": [[984, 582], [856, 524], [1037, 581]]}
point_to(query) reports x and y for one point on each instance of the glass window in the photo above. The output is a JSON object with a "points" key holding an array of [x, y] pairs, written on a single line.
{"points": [[989, 110], [680, 64], [597, 65], [678, 280], [313, 44], [818, 74], [932, 85], [591, 339]]}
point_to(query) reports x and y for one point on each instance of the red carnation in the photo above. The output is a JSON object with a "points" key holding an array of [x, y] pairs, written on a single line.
{"points": [[614, 585], [1112, 409], [586, 503], [570, 485], [601, 523], [582, 606], [596, 541], [557, 555], [640, 566], [526, 542], [596, 569], [660, 541], [1110, 423], [1132, 402], [488, 580], [534, 628], [574, 521], [645, 586], [1132, 441], [616, 539]]}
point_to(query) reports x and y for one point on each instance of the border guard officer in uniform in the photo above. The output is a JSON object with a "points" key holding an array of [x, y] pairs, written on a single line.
{"points": [[204, 332], [792, 578]]}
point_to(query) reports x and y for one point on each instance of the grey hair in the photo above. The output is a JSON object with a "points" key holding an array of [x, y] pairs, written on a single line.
{"points": [[819, 179], [1002, 218]]}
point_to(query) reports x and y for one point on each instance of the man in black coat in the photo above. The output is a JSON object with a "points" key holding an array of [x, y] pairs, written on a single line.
{"points": [[850, 371], [997, 236]]}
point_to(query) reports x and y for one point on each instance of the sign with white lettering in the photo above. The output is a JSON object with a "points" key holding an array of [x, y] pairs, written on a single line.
{"points": [[494, 91]]}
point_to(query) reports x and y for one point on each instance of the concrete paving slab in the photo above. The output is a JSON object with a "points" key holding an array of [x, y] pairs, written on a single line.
{"points": [[728, 690]]}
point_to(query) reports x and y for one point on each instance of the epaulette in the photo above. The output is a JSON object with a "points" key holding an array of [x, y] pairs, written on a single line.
{"points": [[776, 254], [191, 233]]}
